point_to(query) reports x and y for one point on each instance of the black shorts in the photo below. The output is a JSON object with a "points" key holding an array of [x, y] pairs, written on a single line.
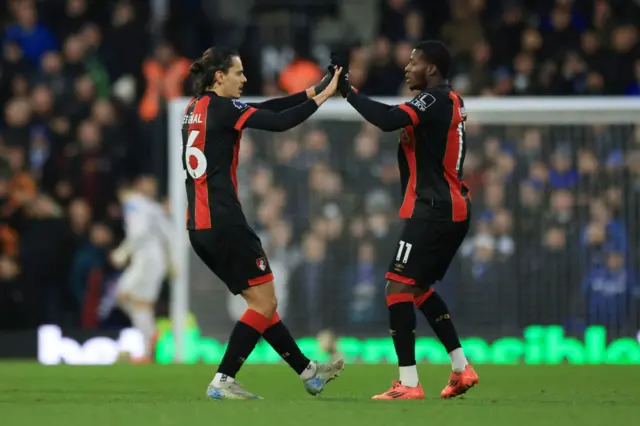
{"points": [[234, 253], [425, 251]]}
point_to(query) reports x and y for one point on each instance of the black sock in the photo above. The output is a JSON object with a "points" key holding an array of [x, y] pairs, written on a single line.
{"points": [[243, 339], [280, 339], [402, 325], [437, 313]]}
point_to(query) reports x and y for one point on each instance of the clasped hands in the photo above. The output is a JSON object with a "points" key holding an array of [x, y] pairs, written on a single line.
{"points": [[338, 62]]}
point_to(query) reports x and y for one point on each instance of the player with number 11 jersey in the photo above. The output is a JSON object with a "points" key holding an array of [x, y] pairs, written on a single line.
{"points": [[436, 209]]}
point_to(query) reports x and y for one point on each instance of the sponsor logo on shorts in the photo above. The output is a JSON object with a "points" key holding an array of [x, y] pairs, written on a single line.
{"points": [[399, 267], [262, 264]]}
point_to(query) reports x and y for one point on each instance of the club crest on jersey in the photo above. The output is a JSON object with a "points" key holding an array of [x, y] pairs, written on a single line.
{"points": [[423, 101], [262, 264], [239, 105]]}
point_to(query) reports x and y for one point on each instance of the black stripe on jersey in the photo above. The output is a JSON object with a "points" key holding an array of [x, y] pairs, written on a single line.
{"points": [[191, 194]]}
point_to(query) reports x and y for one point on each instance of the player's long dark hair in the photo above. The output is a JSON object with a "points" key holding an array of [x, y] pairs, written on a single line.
{"points": [[203, 70]]}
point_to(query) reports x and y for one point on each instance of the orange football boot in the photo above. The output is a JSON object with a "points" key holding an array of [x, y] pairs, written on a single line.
{"points": [[398, 391], [461, 382]]}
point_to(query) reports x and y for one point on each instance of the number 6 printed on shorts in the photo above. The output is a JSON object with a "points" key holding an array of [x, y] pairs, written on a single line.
{"points": [[194, 158], [406, 248]]}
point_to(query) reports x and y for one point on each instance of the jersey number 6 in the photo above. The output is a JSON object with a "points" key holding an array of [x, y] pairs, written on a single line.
{"points": [[194, 158]]}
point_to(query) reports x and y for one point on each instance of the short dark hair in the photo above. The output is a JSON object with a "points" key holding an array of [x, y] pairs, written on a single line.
{"points": [[438, 54], [203, 70]]}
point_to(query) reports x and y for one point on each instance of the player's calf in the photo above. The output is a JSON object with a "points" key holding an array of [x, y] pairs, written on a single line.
{"points": [[262, 305], [243, 339], [437, 314], [402, 324], [463, 376]]}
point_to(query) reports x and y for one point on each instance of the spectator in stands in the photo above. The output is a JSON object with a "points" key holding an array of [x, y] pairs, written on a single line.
{"points": [[562, 174], [314, 299], [481, 278], [384, 75], [89, 259], [33, 38], [73, 17], [589, 171], [80, 216], [611, 290], [300, 74], [633, 89], [46, 250], [72, 106], [364, 291], [164, 73], [502, 230], [365, 172], [615, 229], [530, 212]]}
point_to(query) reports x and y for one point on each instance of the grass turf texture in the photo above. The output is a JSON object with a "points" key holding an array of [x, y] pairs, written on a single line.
{"points": [[124, 395]]}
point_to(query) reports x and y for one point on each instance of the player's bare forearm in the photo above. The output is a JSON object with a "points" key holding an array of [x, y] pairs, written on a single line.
{"points": [[386, 117], [284, 102]]}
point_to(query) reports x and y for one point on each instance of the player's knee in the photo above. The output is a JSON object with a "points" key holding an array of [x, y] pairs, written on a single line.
{"points": [[266, 307], [395, 287], [142, 305], [262, 299]]}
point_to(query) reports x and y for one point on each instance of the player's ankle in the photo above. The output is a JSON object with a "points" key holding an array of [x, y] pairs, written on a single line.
{"points": [[458, 360], [409, 376], [221, 379], [310, 371]]}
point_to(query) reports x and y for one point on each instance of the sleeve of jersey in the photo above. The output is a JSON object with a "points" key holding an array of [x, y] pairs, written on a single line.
{"points": [[280, 104], [263, 119], [241, 117], [386, 117], [422, 108]]}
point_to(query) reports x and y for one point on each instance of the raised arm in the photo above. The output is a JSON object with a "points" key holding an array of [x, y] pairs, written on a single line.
{"points": [[386, 117], [263, 119], [282, 103], [286, 102]]}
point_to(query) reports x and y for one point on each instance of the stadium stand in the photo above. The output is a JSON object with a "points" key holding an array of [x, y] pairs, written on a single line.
{"points": [[84, 87]]}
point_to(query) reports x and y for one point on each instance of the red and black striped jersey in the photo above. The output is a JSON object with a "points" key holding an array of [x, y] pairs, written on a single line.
{"points": [[431, 152], [211, 134], [431, 157]]}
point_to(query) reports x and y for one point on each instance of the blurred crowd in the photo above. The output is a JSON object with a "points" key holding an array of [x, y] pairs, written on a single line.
{"points": [[555, 213], [84, 87]]}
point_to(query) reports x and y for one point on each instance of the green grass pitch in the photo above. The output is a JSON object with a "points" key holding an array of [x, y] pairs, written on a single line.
{"points": [[153, 395]]}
